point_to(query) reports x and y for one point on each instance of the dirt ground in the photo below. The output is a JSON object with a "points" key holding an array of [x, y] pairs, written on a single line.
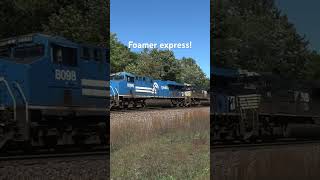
{"points": [[293, 162], [73, 168]]}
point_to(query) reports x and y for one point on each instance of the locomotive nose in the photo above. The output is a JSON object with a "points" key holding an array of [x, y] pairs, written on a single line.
{"points": [[113, 89]]}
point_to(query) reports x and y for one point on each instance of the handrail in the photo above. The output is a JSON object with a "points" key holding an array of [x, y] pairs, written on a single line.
{"points": [[112, 89], [117, 94], [12, 97], [24, 99]]}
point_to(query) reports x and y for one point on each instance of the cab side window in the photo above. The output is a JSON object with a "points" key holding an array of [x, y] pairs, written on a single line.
{"points": [[64, 55], [97, 54], [130, 79], [85, 53]]}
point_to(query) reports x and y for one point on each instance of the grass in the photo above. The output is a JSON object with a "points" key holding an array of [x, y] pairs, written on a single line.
{"points": [[161, 148]]}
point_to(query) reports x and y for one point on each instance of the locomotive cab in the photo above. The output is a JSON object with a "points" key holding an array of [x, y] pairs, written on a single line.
{"points": [[121, 87], [122, 83]]}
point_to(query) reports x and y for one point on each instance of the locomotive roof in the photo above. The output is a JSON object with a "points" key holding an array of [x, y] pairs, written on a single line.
{"points": [[217, 71], [232, 73], [46, 36], [168, 82], [174, 83], [123, 73]]}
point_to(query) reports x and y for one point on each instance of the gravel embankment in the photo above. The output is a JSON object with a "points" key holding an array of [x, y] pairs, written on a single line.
{"points": [[73, 168], [168, 114]]}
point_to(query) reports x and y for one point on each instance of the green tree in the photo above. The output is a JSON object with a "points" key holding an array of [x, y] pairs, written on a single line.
{"points": [[120, 55], [312, 70], [254, 35], [145, 65], [159, 64], [191, 73], [168, 69], [85, 22], [80, 20]]}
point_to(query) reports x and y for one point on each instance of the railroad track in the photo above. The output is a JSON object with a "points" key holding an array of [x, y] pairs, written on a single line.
{"points": [[261, 145], [153, 109], [53, 155]]}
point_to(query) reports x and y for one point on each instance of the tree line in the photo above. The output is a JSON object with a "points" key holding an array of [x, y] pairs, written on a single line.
{"points": [[79, 20], [257, 36], [155, 63]]}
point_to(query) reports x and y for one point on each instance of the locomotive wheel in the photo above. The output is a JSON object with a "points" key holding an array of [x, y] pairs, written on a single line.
{"points": [[181, 103], [173, 102], [78, 139], [143, 104], [27, 147], [285, 131], [103, 133], [50, 141], [134, 104]]}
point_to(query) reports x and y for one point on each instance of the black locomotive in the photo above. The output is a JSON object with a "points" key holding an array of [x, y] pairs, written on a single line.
{"points": [[249, 106]]}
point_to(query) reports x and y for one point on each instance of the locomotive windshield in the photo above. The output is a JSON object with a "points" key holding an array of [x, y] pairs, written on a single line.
{"points": [[19, 53], [21, 49], [28, 52], [117, 77]]}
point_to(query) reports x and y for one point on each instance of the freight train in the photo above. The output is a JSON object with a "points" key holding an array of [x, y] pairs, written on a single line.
{"points": [[250, 106], [52, 92], [55, 92], [131, 91]]}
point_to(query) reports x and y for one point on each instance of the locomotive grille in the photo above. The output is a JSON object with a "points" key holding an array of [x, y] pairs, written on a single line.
{"points": [[251, 101]]}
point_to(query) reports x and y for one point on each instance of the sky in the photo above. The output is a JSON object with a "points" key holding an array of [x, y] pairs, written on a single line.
{"points": [[169, 21], [305, 16]]}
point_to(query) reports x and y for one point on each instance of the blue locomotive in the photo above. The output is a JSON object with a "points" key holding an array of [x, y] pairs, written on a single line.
{"points": [[52, 91], [128, 90]]}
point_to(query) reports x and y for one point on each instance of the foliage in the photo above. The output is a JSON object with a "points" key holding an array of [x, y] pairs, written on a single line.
{"points": [[255, 35], [85, 22], [144, 65], [312, 70], [80, 20], [155, 63], [191, 73], [120, 55]]}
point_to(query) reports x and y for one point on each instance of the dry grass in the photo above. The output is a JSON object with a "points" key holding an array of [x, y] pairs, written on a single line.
{"points": [[144, 129], [174, 145]]}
